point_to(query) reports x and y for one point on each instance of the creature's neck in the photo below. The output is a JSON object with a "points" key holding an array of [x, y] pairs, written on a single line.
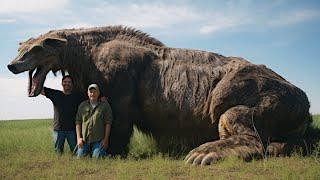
{"points": [[78, 58], [77, 62]]}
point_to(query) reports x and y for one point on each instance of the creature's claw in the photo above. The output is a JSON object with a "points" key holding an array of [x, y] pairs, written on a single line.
{"points": [[239, 146], [191, 158], [207, 159], [198, 159], [202, 155]]}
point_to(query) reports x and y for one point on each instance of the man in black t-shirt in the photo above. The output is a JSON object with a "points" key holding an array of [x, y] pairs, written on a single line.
{"points": [[65, 105]]}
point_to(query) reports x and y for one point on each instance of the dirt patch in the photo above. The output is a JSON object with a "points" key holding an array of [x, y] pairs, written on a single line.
{"points": [[38, 165], [87, 172]]}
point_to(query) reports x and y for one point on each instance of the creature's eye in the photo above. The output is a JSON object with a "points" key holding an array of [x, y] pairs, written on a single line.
{"points": [[36, 49]]}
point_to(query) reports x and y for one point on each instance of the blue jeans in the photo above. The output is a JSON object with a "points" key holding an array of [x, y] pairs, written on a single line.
{"points": [[59, 138], [95, 147]]}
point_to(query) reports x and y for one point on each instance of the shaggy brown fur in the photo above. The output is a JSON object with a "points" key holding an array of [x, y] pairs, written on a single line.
{"points": [[183, 97]]}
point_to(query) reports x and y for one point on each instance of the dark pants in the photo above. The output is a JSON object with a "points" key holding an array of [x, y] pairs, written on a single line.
{"points": [[59, 138]]}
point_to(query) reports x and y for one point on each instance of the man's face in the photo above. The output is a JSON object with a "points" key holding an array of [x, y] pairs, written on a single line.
{"points": [[93, 94], [67, 84]]}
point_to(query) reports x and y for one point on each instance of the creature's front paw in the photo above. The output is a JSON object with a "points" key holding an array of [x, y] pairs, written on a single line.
{"points": [[205, 154]]}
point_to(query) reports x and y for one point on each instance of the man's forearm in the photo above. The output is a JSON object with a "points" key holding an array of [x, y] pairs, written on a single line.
{"points": [[107, 131], [78, 130]]}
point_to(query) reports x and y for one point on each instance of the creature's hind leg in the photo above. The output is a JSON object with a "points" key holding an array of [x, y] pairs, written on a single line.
{"points": [[237, 138]]}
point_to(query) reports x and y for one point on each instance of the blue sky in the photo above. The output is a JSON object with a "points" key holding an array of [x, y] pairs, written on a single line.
{"points": [[282, 34]]}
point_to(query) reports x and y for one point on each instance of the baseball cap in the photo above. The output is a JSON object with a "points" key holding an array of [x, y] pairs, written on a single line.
{"points": [[94, 86]]}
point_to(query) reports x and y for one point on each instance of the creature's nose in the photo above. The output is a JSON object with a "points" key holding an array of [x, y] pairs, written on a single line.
{"points": [[11, 68]]}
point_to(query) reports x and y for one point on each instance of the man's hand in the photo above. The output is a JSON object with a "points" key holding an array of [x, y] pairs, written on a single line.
{"points": [[80, 142], [104, 143]]}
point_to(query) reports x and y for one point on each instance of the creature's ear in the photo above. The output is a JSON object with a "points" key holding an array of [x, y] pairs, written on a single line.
{"points": [[54, 42]]}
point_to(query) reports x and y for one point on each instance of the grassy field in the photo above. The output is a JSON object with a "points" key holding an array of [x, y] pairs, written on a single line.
{"points": [[26, 153]]}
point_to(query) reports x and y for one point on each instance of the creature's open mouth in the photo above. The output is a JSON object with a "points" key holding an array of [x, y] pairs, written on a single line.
{"points": [[36, 81]]}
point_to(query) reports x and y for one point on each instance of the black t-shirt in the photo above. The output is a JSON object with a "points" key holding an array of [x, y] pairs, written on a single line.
{"points": [[65, 108]]}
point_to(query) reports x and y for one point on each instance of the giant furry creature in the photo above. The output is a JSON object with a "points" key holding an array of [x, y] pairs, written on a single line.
{"points": [[185, 98]]}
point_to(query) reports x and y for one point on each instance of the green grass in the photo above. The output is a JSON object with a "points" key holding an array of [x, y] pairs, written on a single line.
{"points": [[26, 153]]}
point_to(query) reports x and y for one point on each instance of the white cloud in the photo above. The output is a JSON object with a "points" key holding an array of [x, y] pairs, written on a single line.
{"points": [[220, 24], [145, 15], [221, 21], [295, 17], [170, 18], [16, 105], [76, 25], [155, 15], [62, 13], [231, 17], [31, 6], [7, 21]]}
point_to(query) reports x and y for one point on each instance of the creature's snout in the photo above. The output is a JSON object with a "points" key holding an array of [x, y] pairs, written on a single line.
{"points": [[12, 68]]}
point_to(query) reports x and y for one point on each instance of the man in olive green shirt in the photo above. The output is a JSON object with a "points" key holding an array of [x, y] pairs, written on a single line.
{"points": [[93, 124]]}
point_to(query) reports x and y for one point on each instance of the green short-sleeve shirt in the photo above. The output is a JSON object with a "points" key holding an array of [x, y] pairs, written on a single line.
{"points": [[93, 120]]}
